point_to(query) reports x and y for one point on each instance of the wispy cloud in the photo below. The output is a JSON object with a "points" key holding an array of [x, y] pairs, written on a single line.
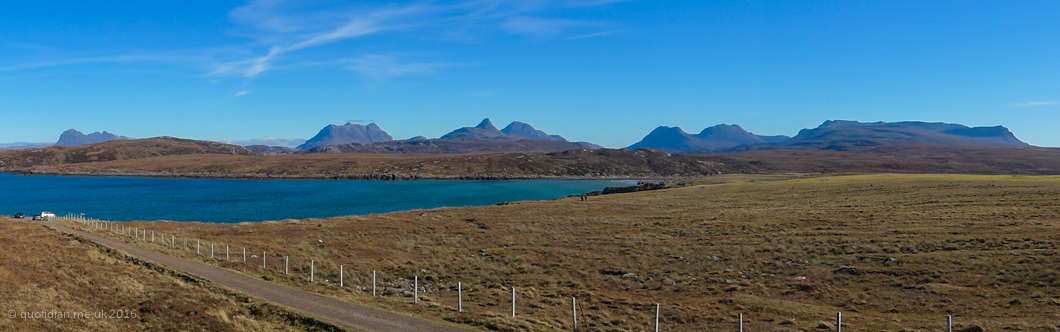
{"points": [[170, 59], [274, 30], [383, 67], [277, 18], [1035, 103], [240, 93]]}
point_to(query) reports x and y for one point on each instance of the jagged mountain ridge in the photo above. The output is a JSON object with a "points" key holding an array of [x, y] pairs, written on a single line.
{"points": [[72, 137], [514, 131]]}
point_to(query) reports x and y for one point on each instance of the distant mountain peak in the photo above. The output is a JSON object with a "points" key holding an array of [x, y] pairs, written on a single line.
{"points": [[484, 130], [346, 134], [519, 130], [487, 125], [72, 137], [722, 136], [847, 134]]}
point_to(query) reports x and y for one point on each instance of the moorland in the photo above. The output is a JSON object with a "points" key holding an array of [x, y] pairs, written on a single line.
{"points": [[892, 252], [173, 157]]}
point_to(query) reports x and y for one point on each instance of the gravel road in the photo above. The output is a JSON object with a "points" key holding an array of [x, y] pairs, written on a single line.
{"points": [[325, 308]]}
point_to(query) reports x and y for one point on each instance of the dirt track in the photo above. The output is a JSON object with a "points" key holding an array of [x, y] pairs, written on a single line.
{"points": [[326, 308]]}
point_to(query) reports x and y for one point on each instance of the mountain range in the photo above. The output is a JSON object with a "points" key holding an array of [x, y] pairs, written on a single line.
{"points": [[73, 137], [718, 137], [514, 131], [837, 135], [484, 137]]}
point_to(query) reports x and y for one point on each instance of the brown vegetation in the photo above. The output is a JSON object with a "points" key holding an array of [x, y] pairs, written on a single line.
{"points": [[906, 158], [574, 163], [114, 150], [172, 157], [891, 252], [46, 274]]}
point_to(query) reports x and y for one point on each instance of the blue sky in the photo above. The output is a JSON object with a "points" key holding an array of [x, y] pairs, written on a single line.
{"points": [[602, 71]]}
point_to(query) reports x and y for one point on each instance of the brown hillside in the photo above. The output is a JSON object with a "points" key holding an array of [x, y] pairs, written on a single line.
{"points": [[115, 150], [575, 163]]}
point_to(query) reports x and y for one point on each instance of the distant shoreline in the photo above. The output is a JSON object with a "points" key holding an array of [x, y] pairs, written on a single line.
{"points": [[373, 177]]}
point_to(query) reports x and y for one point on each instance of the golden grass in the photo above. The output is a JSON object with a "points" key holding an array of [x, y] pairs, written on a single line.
{"points": [[45, 272], [891, 252]]}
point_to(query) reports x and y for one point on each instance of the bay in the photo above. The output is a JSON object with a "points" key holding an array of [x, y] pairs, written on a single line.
{"points": [[229, 201]]}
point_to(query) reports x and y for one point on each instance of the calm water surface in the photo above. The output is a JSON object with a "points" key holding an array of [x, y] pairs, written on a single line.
{"points": [[217, 200]]}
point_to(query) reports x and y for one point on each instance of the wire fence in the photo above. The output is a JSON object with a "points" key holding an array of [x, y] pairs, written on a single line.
{"points": [[386, 286]]}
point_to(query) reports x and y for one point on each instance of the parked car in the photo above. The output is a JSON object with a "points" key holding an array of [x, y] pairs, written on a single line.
{"points": [[19, 215], [36, 217]]}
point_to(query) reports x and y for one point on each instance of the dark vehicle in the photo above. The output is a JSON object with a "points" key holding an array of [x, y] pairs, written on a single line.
{"points": [[19, 215], [36, 217]]}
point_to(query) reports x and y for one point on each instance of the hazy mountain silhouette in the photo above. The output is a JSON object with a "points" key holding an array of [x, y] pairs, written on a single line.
{"points": [[484, 130], [524, 130], [346, 134], [73, 137], [718, 137], [852, 135]]}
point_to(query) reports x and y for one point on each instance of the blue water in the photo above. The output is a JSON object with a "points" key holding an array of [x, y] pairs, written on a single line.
{"points": [[224, 201]]}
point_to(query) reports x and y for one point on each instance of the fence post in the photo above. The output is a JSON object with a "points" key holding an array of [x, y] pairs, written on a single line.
{"points": [[197, 245], [741, 322], [340, 276], [286, 260], [574, 311], [211, 250], [459, 297], [513, 301], [244, 254], [949, 323], [373, 282], [839, 322], [185, 244], [227, 257], [263, 266], [312, 269], [656, 317]]}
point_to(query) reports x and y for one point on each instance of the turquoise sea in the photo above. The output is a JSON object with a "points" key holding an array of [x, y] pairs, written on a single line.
{"points": [[225, 201]]}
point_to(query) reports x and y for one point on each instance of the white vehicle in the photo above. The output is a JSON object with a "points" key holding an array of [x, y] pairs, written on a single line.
{"points": [[47, 215]]}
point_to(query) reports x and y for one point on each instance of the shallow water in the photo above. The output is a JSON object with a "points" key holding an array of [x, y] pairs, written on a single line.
{"points": [[224, 201]]}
